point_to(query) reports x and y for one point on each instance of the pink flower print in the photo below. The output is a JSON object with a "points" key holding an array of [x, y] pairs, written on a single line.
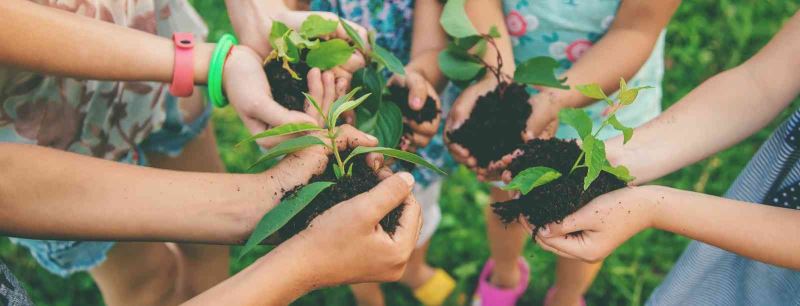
{"points": [[577, 48], [516, 24]]}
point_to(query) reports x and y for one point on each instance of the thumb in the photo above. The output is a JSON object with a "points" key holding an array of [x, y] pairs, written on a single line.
{"points": [[384, 197], [417, 92]]}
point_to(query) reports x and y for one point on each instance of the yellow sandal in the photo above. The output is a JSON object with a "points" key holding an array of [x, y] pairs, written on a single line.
{"points": [[436, 289]]}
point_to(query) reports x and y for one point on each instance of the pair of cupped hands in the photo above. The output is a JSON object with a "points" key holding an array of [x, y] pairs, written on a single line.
{"points": [[351, 229]]}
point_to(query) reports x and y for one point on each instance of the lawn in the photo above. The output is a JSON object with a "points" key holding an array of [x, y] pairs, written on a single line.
{"points": [[704, 38]]}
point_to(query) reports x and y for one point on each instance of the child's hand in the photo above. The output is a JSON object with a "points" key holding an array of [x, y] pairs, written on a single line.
{"points": [[460, 112], [347, 245], [594, 231], [543, 122], [419, 90]]}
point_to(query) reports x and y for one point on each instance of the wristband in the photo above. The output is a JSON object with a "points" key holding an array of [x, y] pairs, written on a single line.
{"points": [[215, 69], [183, 68]]}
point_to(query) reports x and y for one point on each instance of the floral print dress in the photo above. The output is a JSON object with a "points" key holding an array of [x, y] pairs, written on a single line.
{"points": [[565, 30]]}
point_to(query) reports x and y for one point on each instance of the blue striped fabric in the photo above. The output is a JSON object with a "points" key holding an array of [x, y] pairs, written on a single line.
{"points": [[707, 275]]}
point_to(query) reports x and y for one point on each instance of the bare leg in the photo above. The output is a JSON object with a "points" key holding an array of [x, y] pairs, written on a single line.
{"points": [[573, 278], [368, 294], [506, 243]]}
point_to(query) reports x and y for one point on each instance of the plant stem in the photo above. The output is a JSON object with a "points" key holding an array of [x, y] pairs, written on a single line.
{"points": [[575, 165], [335, 149]]}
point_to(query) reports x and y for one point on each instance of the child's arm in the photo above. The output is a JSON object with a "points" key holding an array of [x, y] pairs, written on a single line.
{"points": [[423, 77], [620, 53], [755, 231], [330, 252], [719, 113], [50, 194]]}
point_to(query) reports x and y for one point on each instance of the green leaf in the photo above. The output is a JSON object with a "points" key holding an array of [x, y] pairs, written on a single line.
{"points": [[286, 129], [577, 119], [622, 84], [353, 34], [399, 154], [314, 103], [278, 30], [338, 103], [620, 172], [388, 59], [329, 54], [292, 51], [531, 178], [454, 20], [289, 146], [595, 159], [627, 132], [628, 96], [315, 26], [278, 216], [456, 67], [466, 43], [344, 107], [388, 124], [593, 91], [540, 70], [336, 171], [493, 32], [300, 41]]}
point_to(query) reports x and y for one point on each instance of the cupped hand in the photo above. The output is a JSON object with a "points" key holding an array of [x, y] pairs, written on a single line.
{"points": [[347, 244], [419, 90], [460, 112], [594, 231]]}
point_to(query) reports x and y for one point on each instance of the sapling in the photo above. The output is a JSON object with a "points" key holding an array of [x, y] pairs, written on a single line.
{"points": [[589, 163], [496, 124], [342, 165]]}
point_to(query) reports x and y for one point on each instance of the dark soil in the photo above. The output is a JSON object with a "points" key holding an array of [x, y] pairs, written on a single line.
{"points": [[495, 126], [557, 199], [287, 90], [399, 95], [362, 180]]}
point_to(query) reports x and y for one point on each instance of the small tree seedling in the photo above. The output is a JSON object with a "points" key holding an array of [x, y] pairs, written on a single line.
{"points": [[593, 150], [292, 205]]}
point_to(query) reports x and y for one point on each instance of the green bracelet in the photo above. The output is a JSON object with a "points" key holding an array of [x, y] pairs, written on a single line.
{"points": [[224, 45]]}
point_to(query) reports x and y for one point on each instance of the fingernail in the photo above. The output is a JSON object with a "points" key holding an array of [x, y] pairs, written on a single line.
{"points": [[370, 137], [416, 102], [544, 231], [407, 177], [376, 165]]}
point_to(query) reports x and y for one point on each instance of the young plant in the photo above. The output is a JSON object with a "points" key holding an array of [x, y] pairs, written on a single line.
{"points": [[462, 61], [593, 151], [288, 45], [343, 167]]}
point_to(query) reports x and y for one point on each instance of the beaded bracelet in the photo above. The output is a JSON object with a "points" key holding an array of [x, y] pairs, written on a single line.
{"points": [[215, 68]]}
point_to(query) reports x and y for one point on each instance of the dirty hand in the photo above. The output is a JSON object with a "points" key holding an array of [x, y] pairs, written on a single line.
{"points": [[594, 231], [347, 244], [419, 91]]}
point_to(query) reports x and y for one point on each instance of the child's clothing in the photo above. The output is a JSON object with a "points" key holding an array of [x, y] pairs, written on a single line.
{"points": [[707, 275], [117, 121], [393, 23], [564, 30], [11, 291]]}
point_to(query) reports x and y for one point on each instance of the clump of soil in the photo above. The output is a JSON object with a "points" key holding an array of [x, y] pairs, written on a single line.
{"points": [[362, 180], [495, 126], [287, 90], [399, 95], [553, 201]]}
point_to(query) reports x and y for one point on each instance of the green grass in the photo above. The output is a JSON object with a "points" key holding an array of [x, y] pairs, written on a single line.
{"points": [[705, 37]]}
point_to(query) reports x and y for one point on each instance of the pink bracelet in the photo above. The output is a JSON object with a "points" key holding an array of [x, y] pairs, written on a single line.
{"points": [[183, 69]]}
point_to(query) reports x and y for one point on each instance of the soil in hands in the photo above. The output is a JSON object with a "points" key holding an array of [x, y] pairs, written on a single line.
{"points": [[362, 180], [553, 201], [286, 90], [399, 95], [495, 126]]}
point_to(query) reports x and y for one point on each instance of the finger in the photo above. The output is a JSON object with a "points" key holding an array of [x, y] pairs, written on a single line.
{"points": [[355, 62], [525, 224], [384, 197], [316, 90], [341, 33], [329, 84], [572, 223], [407, 233], [375, 161], [417, 91], [341, 87], [547, 247], [506, 176], [419, 140], [427, 128], [350, 137]]}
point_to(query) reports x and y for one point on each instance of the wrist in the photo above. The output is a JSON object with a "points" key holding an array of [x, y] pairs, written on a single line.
{"points": [[288, 276], [202, 60], [654, 198]]}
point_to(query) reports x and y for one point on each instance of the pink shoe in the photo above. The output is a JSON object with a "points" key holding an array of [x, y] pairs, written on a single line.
{"points": [[489, 295], [551, 293]]}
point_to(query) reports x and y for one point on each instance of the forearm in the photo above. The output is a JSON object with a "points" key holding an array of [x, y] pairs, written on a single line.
{"points": [[52, 41], [755, 231], [428, 40], [719, 113], [487, 13], [50, 194], [278, 278]]}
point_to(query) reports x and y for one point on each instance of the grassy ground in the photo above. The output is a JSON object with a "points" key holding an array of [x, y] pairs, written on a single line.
{"points": [[705, 37]]}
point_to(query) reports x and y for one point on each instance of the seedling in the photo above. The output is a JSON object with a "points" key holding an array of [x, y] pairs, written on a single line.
{"points": [[593, 150], [292, 205], [496, 124]]}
